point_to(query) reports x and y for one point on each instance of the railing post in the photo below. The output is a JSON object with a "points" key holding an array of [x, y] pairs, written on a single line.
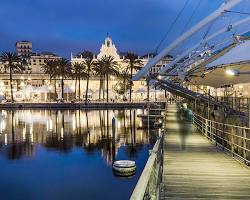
{"points": [[232, 142], [244, 144], [208, 106], [206, 127], [223, 136], [248, 108]]}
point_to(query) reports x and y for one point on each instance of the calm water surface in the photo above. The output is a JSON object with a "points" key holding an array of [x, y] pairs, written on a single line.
{"points": [[68, 154]]}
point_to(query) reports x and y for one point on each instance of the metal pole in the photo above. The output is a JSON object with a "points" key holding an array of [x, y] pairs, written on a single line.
{"points": [[208, 106], [225, 6], [248, 108]]}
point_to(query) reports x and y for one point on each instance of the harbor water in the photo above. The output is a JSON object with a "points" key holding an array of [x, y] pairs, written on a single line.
{"points": [[53, 154]]}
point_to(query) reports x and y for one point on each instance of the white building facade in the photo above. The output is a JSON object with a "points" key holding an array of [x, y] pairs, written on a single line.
{"points": [[108, 48]]}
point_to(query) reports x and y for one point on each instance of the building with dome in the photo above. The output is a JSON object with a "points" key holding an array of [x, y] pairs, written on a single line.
{"points": [[39, 88], [108, 48]]}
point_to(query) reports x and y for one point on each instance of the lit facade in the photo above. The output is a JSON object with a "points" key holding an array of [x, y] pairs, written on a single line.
{"points": [[34, 85], [24, 48], [39, 60]]}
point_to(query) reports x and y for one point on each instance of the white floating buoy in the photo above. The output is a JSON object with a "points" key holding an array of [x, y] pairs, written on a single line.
{"points": [[124, 167]]}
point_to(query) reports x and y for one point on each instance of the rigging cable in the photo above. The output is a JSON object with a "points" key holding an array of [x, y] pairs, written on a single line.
{"points": [[236, 12], [191, 17], [172, 25]]}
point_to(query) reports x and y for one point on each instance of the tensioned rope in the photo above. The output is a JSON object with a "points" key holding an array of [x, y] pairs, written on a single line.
{"points": [[171, 26], [191, 17], [237, 12]]}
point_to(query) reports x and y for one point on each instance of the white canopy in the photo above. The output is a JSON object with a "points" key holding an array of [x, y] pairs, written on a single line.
{"points": [[68, 90], [90, 91], [28, 88], [42, 89], [141, 90], [240, 53]]}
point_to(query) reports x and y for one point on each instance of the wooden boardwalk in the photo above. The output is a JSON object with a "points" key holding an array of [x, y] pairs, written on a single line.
{"points": [[195, 169]]}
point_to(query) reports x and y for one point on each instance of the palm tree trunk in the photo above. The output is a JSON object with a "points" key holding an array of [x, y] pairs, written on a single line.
{"points": [[100, 89], [11, 86], [107, 80], [130, 89], [87, 89], [103, 85], [62, 83], [124, 85], [55, 89], [50, 88], [76, 88], [79, 88]]}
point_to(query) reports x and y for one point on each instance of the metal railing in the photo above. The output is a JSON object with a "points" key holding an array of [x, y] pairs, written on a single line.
{"points": [[233, 139], [148, 186]]}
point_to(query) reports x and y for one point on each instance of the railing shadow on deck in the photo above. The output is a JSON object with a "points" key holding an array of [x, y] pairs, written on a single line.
{"points": [[148, 186], [232, 139]]}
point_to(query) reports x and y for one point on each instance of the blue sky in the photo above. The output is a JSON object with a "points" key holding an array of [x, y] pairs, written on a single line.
{"points": [[64, 26]]}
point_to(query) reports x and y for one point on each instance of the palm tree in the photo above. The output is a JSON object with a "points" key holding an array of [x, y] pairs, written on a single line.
{"points": [[99, 71], [133, 64], [50, 69], [124, 83], [12, 63], [63, 70], [109, 67], [89, 63], [79, 71]]}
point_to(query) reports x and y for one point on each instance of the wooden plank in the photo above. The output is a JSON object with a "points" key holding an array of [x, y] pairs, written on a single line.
{"points": [[195, 169]]}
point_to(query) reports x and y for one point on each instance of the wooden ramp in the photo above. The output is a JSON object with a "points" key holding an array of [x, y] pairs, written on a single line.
{"points": [[195, 169]]}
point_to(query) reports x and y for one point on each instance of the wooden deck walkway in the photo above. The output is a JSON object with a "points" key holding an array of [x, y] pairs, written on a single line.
{"points": [[195, 169]]}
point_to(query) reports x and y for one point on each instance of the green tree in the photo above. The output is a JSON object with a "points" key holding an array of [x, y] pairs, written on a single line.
{"points": [[13, 64], [108, 67], [124, 83], [89, 64], [133, 64], [79, 71], [99, 71], [63, 70], [49, 68]]}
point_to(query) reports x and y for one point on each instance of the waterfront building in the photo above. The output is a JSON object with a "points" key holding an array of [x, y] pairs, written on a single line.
{"points": [[39, 60], [33, 85], [108, 48], [24, 48]]}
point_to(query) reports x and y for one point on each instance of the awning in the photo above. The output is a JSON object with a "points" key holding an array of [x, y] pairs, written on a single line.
{"points": [[240, 53], [218, 77]]}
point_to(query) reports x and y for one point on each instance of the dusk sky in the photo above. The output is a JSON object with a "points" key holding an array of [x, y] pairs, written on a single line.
{"points": [[74, 25]]}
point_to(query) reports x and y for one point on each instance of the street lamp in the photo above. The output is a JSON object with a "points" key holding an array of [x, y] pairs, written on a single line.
{"points": [[159, 77], [235, 72]]}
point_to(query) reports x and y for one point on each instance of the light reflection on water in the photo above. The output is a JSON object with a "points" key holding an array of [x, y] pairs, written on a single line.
{"points": [[78, 139]]}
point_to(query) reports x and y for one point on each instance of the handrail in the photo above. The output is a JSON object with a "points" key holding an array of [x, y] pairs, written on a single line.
{"points": [[141, 187], [237, 145], [223, 123], [241, 127]]}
